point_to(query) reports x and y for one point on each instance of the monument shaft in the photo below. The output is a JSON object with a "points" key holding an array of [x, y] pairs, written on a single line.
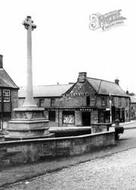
{"points": [[29, 101]]}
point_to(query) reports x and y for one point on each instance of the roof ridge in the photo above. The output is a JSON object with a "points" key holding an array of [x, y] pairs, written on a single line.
{"points": [[47, 85], [102, 80]]}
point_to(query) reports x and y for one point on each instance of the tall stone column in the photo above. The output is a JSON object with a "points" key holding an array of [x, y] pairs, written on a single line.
{"points": [[28, 121], [29, 26]]}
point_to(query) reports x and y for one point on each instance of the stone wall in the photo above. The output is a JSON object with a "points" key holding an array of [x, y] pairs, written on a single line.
{"points": [[28, 151], [94, 116], [78, 118]]}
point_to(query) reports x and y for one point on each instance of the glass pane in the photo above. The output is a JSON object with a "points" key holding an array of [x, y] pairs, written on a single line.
{"points": [[6, 99], [68, 117], [6, 92]]}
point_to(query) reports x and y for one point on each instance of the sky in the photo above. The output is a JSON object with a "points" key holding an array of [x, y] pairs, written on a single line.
{"points": [[63, 44]]}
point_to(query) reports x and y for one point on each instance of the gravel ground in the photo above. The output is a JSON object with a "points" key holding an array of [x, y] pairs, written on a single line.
{"points": [[117, 171]]}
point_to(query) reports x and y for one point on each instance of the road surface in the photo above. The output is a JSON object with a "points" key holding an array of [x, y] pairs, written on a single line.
{"points": [[115, 171]]}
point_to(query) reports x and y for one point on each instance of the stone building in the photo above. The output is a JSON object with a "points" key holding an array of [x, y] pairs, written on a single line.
{"points": [[8, 94], [133, 107], [85, 102]]}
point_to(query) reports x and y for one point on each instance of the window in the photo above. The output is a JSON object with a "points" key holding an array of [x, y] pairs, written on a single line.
{"points": [[68, 117], [41, 102], [92, 101], [88, 100], [120, 102], [103, 101], [6, 95], [52, 101], [52, 115], [127, 102]]}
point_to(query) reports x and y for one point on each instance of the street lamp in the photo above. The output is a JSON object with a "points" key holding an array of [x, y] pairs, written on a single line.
{"points": [[110, 105]]}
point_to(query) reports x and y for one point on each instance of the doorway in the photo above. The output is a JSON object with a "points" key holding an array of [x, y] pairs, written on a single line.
{"points": [[86, 120]]}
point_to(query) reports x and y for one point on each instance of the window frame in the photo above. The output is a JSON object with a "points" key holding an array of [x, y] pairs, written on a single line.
{"points": [[66, 116], [6, 95], [52, 114]]}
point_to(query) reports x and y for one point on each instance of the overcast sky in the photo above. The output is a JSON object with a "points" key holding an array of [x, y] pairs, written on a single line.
{"points": [[63, 44]]}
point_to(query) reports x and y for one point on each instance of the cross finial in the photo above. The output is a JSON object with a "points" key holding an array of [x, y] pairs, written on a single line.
{"points": [[28, 23]]}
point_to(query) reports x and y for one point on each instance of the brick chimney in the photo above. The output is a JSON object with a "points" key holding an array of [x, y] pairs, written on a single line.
{"points": [[82, 76], [1, 61], [127, 92], [117, 81]]}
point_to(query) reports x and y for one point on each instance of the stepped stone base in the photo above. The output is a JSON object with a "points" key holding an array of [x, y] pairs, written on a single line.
{"points": [[28, 123]]}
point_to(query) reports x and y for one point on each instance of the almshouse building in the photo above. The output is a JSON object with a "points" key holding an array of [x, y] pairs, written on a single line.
{"points": [[85, 102], [8, 94]]}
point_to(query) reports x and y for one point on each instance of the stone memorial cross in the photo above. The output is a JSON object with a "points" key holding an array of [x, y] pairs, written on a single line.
{"points": [[29, 100]]}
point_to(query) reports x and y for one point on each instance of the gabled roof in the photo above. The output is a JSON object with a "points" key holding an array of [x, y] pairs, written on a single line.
{"points": [[5, 80], [46, 90], [106, 87], [102, 87]]}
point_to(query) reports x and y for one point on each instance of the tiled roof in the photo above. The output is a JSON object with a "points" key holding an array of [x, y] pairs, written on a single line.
{"points": [[106, 87], [47, 90], [5, 80], [101, 87]]}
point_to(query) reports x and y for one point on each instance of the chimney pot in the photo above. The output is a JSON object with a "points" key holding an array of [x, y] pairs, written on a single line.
{"points": [[82, 76], [127, 92], [1, 61], [117, 81]]}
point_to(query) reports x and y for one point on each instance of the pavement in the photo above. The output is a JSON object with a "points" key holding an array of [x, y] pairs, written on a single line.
{"points": [[127, 125], [25, 172], [114, 172]]}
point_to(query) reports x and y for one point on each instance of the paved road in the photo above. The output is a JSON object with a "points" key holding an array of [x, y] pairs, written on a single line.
{"points": [[115, 171]]}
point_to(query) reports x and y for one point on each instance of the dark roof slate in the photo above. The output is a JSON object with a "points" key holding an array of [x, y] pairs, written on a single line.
{"points": [[46, 90], [106, 87], [5, 80], [102, 87]]}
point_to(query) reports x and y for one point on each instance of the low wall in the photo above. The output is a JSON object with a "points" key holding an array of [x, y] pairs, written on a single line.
{"points": [[70, 131], [28, 151], [99, 127]]}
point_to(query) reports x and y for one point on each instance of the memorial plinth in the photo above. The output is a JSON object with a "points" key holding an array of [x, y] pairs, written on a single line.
{"points": [[1, 136], [28, 121]]}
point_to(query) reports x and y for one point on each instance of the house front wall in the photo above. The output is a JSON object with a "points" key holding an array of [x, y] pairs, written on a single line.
{"points": [[77, 96], [133, 111], [8, 101], [72, 117], [80, 114], [14, 98], [121, 108], [82, 106]]}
